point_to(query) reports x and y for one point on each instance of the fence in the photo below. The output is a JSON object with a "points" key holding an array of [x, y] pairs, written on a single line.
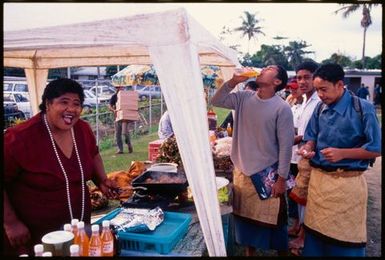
{"points": [[102, 120]]}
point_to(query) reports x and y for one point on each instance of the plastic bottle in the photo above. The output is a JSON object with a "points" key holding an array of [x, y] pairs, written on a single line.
{"points": [[67, 227], [82, 240], [74, 224], [38, 249], [74, 250], [107, 239], [229, 130], [212, 118], [47, 254], [95, 248], [248, 72]]}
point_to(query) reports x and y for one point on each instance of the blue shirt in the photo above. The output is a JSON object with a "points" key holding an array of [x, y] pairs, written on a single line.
{"points": [[341, 126]]}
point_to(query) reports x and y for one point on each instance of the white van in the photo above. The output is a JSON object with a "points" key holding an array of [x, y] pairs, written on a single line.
{"points": [[21, 99], [15, 86]]}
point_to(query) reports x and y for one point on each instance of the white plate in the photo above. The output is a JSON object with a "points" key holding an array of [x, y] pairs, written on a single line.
{"points": [[221, 182], [164, 167]]}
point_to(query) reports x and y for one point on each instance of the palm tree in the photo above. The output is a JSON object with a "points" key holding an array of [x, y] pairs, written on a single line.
{"points": [[366, 20], [295, 52], [249, 27]]}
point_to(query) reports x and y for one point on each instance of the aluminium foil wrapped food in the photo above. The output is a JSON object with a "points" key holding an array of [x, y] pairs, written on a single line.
{"points": [[137, 220]]}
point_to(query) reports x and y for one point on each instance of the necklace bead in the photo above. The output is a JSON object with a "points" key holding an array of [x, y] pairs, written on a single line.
{"points": [[63, 170]]}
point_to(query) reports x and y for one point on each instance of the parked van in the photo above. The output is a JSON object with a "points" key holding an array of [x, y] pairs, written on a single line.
{"points": [[21, 99], [15, 86]]}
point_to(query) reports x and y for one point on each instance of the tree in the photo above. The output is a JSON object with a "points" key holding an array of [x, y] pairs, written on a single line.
{"points": [[112, 70], [340, 59], [249, 27], [366, 20], [295, 52], [268, 55]]}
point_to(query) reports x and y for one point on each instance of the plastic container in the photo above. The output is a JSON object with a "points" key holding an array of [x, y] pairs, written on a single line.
{"points": [[95, 246], [74, 250], [38, 249], [212, 119], [82, 240], [162, 240], [107, 239]]}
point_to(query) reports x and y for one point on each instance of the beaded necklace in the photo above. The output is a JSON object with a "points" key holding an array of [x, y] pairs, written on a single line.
{"points": [[63, 170]]}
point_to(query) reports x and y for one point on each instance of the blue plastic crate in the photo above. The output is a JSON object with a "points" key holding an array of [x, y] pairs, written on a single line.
{"points": [[162, 240]]}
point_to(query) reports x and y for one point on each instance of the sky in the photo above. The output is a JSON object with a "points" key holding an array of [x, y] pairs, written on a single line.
{"points": [[314, 23]]}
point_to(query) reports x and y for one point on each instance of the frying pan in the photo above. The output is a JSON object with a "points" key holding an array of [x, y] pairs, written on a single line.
{"points": [[163, 189]]}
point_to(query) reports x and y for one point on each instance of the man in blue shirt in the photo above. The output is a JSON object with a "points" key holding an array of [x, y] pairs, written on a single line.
{"points": [[340, 143], [363, 92]]}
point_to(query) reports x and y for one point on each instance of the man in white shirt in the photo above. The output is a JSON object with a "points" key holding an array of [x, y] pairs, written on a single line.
{"points": [[304, 76], [165, 128]]}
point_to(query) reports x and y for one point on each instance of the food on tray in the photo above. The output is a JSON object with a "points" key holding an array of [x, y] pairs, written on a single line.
{"points": [[123, 179], [166, 179], [168, 152], [137, 220], [98, 199], [222, 147]]}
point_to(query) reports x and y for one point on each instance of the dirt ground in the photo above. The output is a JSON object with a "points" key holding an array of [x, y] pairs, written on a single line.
{"points": [[373, 177]]}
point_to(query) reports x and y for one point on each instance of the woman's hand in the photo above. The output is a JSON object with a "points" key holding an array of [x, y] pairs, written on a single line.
{"points": [[17, 233], [109, 188]]}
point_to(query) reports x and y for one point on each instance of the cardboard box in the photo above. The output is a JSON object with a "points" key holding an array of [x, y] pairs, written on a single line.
{"points": [[128, 94], [127, 100], [127, 115], [129, 106]]}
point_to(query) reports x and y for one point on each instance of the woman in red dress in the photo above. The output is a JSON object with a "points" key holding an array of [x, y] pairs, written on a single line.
{"points": [[48, 160]]}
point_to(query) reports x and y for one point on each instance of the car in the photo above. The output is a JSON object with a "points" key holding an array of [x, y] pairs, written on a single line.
{"points": [[147, 91], [103, 90], [21, 99], [90, 100], [11, 113], [15, 86]]}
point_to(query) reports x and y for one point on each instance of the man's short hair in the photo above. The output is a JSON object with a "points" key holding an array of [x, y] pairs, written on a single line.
{"points": [[282, 75], [307, 65], [331, 72]]}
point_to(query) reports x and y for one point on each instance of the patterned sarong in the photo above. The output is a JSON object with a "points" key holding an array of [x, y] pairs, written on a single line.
{"points": [[337, 204]]}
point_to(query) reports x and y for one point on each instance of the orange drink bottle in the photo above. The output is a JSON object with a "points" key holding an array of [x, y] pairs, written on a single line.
{"points": [[74, 224], [74, 250], [248, 72], [95, 246], [107, 239], [229, 130], [38, 249], [67, 227], [82, 240]]}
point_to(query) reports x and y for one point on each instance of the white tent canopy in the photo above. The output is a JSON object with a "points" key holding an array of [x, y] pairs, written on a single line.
{"points": [[177, 45]]}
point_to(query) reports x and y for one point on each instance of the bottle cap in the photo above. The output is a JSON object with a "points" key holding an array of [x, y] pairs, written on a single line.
{"points": [[74, 248], [81, 224], [47, 254], [39, 248], [95, 228], [106, 223], [67, 227], [74, 221]]}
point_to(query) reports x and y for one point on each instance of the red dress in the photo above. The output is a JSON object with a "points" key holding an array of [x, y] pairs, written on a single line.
{"points": [[34, 181]]}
